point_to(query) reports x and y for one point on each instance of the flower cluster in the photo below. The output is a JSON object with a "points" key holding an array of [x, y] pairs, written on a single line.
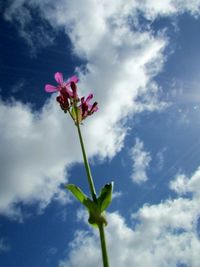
{"points": [[79, 108]]}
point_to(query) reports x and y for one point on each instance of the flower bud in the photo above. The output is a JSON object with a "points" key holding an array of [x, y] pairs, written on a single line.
{"points": [[74, 90]]}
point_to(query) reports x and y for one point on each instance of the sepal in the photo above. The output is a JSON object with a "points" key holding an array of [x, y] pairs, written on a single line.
{"points": [[95, 208]]}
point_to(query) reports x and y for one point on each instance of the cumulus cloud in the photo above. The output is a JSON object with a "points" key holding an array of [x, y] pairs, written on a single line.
{"points": [[36, 147], [164, 234], [121, 63], [182, 184], [32, 166], [141, 160]]}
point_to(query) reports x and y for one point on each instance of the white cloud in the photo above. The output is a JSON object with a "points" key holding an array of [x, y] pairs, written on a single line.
{"points": [[163, 234], [36, 147], [32, 165], [22, 13], [182, 184], [117, 194], [121, 62], [141, 160], [153, 9], [160, 161]]}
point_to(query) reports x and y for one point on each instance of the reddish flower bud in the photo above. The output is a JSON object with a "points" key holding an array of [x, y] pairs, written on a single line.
{"points": [[63, 100], [86, 107], [93, 109], [74, 90]]}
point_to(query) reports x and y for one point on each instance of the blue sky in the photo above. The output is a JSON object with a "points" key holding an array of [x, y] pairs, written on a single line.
{"points": [[141, 61]]}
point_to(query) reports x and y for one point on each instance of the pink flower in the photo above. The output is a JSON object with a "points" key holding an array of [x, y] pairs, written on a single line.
{"points": [[61, 84], [67, 90]]}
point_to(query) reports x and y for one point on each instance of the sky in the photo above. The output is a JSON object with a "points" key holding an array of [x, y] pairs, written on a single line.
{"points": [[141, 60]]}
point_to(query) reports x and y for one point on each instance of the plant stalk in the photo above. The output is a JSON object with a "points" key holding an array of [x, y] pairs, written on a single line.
{"points": [[87, 166], [94, 197], [103, 245]]}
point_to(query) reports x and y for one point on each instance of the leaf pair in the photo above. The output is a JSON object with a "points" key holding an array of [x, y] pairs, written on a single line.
{"points": [[95, 208]]}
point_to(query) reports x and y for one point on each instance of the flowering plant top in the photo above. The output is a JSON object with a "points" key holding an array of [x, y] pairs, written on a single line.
{"points": [[78, 108]]}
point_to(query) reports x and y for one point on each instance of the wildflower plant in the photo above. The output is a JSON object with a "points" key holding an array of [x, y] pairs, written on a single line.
{"points": [[79, 108]]}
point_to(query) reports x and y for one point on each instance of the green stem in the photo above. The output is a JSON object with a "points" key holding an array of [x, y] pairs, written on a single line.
{"points": [[103, 245], [93, 193], [87, 167]]}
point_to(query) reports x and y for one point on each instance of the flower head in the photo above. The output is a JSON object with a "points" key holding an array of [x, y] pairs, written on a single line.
{"points": [[68, 98]]}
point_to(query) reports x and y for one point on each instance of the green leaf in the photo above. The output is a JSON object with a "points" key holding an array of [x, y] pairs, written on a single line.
{"points": [[85, 200], [105, 196], [94, 209], [76, 191]]}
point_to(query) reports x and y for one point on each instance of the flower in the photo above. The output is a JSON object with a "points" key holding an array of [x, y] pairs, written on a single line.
{"points": [[61, 84]]}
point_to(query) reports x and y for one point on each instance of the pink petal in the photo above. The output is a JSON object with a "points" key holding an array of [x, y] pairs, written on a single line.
{"points": [[82, 99], [68, 91], [50, 88], [95, 109], [58, 77], [89, 106], [89, 98], [74, 79]]}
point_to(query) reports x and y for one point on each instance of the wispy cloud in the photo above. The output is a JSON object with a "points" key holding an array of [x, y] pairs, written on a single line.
{"points": [[4, 247], [18, 86], [160, 161], [117, 194], [141, 160], [22, 14]]}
